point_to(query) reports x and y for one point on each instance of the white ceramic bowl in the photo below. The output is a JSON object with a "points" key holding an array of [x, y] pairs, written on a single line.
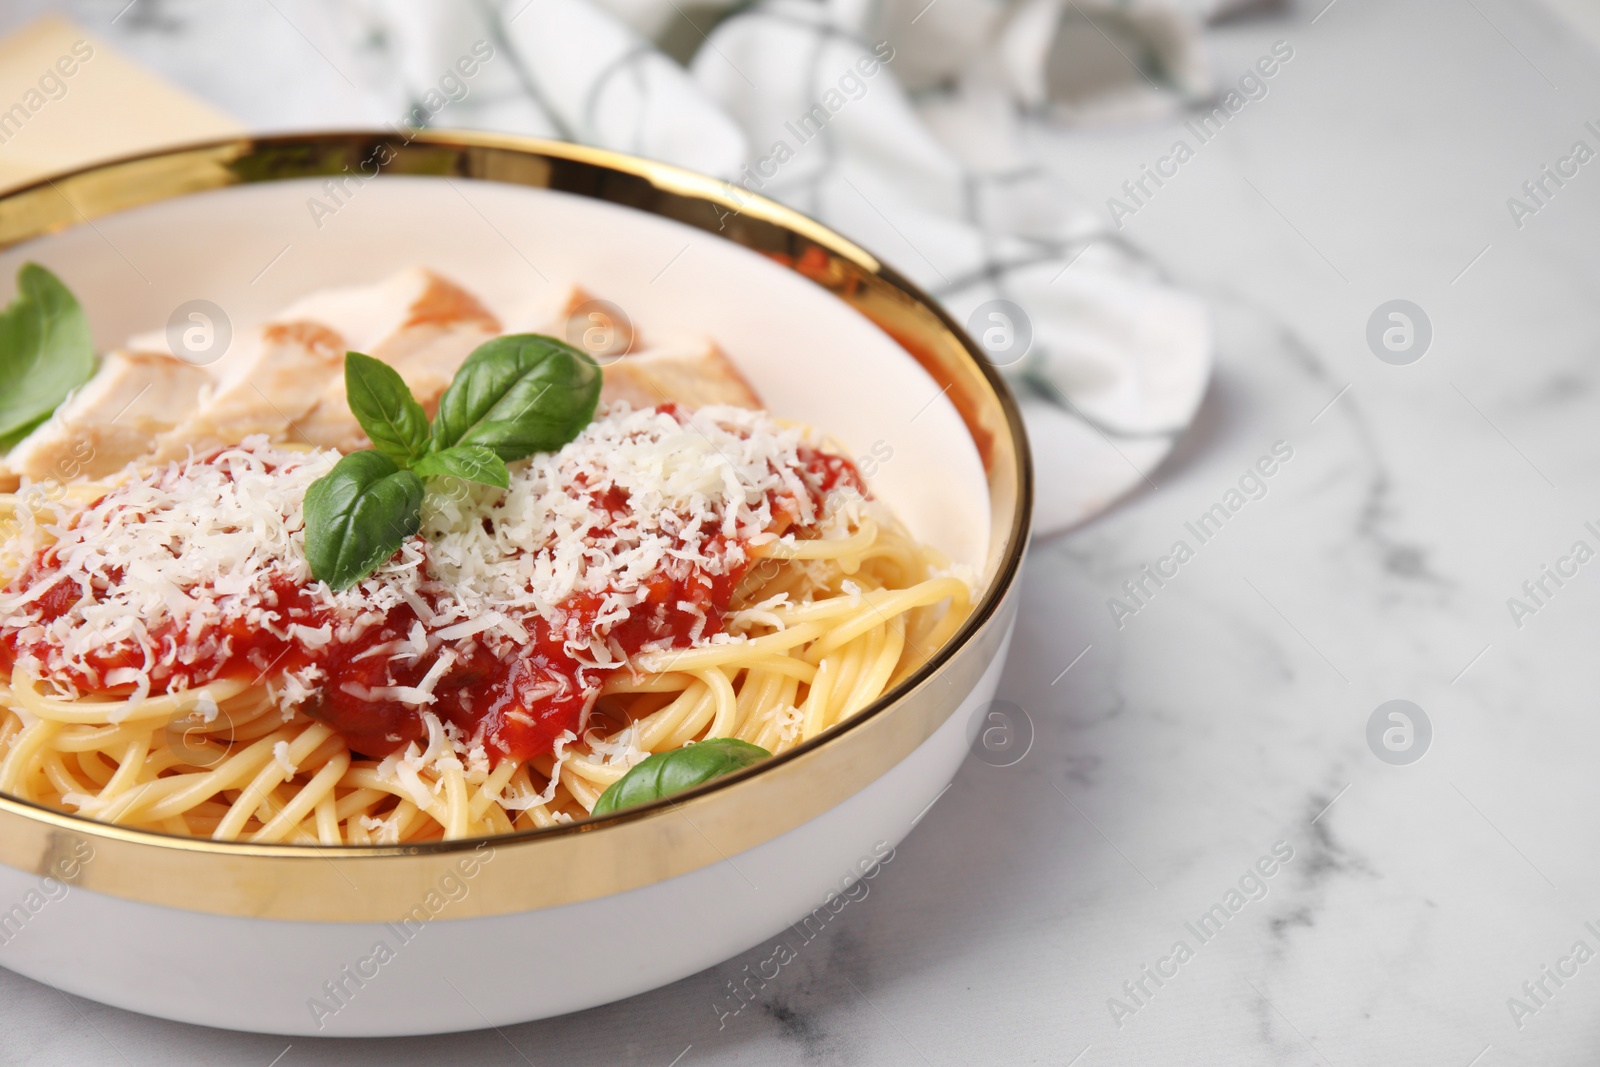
{"points": [[389, 941]]}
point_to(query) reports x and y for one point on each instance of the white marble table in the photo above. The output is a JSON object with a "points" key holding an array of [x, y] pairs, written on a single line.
{"points": [[1229, 713]]}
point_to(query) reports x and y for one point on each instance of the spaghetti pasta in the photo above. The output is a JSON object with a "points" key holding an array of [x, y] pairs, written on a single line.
{"points": [[799, 601]]}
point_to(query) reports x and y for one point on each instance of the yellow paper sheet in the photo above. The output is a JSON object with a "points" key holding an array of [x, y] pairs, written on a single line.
{"points": [[66, 99]]}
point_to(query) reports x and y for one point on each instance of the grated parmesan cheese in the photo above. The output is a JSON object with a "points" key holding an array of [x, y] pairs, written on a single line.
{"points": [[169, 561], [280, 755]]}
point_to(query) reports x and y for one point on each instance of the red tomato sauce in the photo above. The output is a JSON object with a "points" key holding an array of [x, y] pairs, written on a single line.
{"points": [[515, 705]]}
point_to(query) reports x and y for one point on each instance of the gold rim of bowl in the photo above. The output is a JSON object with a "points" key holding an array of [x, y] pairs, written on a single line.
{"points": [[634, 848]]}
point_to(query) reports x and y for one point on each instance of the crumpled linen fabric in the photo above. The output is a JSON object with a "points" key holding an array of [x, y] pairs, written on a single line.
{"points": [[904, 125]]}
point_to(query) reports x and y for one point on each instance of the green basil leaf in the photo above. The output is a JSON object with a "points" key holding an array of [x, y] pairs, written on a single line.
{"points": [[519, 394], [357, 515], [382, 403], [46, 351], [475, 463], [666, 773]]}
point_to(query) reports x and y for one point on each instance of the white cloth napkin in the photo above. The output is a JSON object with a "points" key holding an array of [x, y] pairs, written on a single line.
{"points": [[902, 124]]}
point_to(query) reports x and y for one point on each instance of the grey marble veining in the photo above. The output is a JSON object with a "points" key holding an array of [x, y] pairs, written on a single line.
{"points": [[1229, 712]]}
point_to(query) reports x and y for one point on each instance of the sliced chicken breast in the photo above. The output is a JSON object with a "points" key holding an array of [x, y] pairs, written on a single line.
{"points": [[693, 374], [285, 379], [114, 418], [274, 379], [548, 311]]}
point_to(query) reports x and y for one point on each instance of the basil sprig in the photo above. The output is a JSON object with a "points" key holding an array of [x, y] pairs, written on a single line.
{"points": [[45, 352], [512, 397], [665, 773]]}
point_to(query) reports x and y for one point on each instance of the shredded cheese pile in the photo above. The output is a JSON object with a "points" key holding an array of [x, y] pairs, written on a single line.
{"points": [[695, 489], [163, 562], [167, 559]]}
